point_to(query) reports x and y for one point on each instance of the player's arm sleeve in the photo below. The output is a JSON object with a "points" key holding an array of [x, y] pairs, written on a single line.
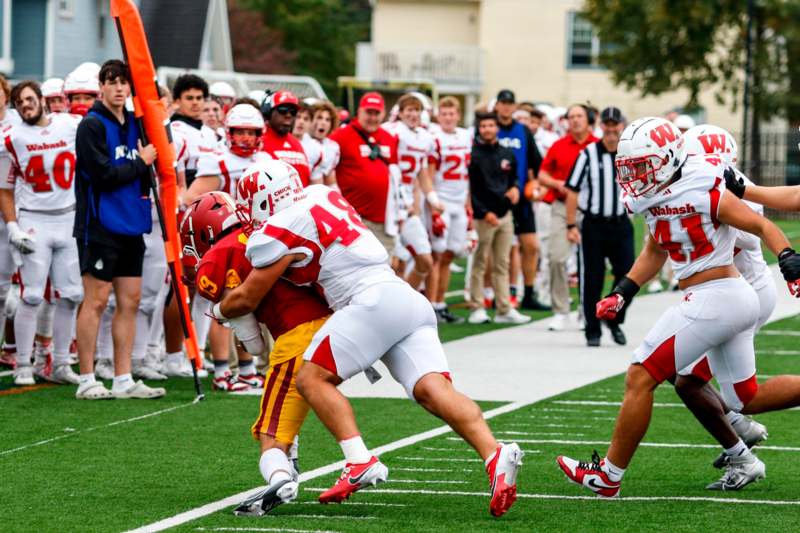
{"points": [[92, 153], [578, 174], [267, 246], [8, 173]]}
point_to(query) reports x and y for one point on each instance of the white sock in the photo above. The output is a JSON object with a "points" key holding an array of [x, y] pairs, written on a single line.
{"points": [[247, 368], [355, 451], [438, 306], [274, 466], [25, 331], [734, 417], [84, 380], [737, 450], [141, 336], [105, 342], [614, 472], [45, 318], [122, 382], [294, 448], [65, 311]]}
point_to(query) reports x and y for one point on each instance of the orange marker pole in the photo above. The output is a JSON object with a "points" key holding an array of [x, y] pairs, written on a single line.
{"points": [[154, 128]]}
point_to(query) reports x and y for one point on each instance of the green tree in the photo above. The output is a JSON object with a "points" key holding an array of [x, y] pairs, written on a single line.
{"points": [[319, 35], [700, 45]]}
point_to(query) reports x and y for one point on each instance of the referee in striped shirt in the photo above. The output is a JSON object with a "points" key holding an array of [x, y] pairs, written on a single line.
{"points": [[606, 231]]}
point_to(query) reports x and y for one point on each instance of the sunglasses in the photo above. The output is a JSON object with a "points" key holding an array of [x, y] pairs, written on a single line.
{"points": [[286, 109]]}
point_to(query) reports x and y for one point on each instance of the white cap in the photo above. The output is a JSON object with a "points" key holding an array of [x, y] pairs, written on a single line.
{"points": [[684, 122], [53, 87], [222, 89]]}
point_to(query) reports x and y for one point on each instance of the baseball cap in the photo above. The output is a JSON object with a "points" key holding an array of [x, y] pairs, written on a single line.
{"points": [[506, 95], [372, 100], [612, 114], [285, 98]]}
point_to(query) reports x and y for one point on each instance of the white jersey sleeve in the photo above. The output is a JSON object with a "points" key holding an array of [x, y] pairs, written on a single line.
{"points": [[209, 165], [683, 218], [330, 156]]}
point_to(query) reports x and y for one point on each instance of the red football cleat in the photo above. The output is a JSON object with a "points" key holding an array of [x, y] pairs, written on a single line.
{"points": [[502, 470], [589, 475], [355, 477]]}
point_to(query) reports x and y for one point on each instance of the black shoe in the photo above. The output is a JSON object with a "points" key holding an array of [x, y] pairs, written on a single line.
{"points": [[444, 316], [266, 500], [618, 335], [593, 341], [532, 304]]}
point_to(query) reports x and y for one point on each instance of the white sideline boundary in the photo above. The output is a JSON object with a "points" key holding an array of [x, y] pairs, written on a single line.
{"points": [[213, 507], [709, 499]]}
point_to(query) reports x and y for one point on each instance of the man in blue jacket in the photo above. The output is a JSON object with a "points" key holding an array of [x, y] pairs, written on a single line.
{"points": [[112, 213]]}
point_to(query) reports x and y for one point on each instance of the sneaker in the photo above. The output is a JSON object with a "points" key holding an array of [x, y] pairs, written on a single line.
{"points": [[512, 317], [282, 492], [141, 370], [104, 369], [255, 381], [63, 374], [23, 376], [618, 335], [740, 472], [95, 391], [355, 477], [558, 323], [177, 369], [502, 469], [479, 316], [444, 316], [655, 286], [8, 358], [750, 431], [227, 382], [139, 391], [153, 358], [589, 475], [532, 304]]}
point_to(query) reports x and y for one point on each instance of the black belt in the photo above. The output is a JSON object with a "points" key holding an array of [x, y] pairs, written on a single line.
{"points": [[611, 220]]}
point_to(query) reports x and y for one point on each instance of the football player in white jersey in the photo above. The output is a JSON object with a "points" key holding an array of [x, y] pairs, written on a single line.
{"points": [[81, 87], [693, 220], [314, 237], [325, 120], [415, 146], [40, 188], [54, 99], [450, 162]]}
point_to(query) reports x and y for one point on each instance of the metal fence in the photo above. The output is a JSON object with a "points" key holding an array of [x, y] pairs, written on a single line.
{"points": [[778, 162]]}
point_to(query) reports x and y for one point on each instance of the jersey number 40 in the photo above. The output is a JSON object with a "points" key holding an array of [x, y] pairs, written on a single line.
{"points": [[63, 172]]}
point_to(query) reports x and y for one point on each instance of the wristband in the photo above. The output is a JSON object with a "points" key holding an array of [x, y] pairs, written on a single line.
{"points": [[572, 226], [627, 288], [786, 252], [433, 198], [217, 311]]}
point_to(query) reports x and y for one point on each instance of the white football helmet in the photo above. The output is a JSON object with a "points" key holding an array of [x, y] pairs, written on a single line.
{"points": [[246, 117], [222, 89], [81, 81], [709, 139], [684, 122], [650, 151], [277, 186], [53, 87]]}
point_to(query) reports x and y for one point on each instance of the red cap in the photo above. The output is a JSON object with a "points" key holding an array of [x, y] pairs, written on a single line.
{"points": [[372, 100], [285, 98]]}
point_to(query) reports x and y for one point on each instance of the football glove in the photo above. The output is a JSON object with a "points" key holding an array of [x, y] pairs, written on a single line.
{"points": [[789, 262], [22, 241], [609, 307], [733, 183], [438, 225]]}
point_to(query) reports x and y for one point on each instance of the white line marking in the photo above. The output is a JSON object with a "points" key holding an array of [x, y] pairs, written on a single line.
{"points": [[777, 352], [368, 504], [452, 450], [327, 516], [451, 294], [5, 373], [73, 432], [592, 498], [779, 332], [445, 481], [411, 469], [218, 505], [646, 444], [439, 459], [264, 529], [529, 426], [612, 404], [535, 433]]}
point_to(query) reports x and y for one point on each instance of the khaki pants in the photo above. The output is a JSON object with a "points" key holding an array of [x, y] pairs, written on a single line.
{"points": [[379, 230], [559, 254], [496, 240]]}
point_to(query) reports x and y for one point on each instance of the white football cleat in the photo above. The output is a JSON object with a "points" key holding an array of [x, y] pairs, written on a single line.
{"points": [[95, 391], [512, 317], [740, 472], [104, 369], [23, 376], [282, 492], [139, 391]]}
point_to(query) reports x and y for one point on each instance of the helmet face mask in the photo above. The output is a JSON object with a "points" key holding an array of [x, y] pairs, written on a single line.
{"points": [[209, 218], [638, 175]]}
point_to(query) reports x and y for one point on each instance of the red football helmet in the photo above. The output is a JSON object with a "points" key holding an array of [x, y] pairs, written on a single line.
{"points": [[209, 218]]}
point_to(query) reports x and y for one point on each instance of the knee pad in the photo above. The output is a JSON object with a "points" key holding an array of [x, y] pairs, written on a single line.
{"points": [[31, 300]]}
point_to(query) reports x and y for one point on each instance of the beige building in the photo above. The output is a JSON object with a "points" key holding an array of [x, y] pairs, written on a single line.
{"points": [[540, 49]]}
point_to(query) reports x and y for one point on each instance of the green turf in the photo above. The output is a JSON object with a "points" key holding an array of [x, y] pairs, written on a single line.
{"points": [[106, 477]]}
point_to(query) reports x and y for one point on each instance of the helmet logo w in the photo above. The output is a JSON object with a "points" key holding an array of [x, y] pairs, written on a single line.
{"points": [[713, 143], [663, 134]]}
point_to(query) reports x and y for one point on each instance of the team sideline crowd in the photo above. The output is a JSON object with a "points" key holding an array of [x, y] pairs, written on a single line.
{"points": [[312, 236]]}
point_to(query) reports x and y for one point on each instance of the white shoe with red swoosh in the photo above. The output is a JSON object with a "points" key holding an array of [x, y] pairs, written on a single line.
{"points": [[589, 475], [502, 469], [355, 477]]}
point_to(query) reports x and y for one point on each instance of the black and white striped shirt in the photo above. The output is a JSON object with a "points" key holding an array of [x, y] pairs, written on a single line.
{"points": [[594, 178]]}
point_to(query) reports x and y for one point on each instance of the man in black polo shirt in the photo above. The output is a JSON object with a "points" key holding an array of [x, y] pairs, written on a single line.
{"points": [[606, 231]]}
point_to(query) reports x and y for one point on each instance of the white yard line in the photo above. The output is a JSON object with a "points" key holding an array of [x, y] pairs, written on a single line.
{"points": [[777, 352], [213, 507], [592, 498], [368, 504], [445, 481], [281, 529], [438, 459], [327, 516], [779, 332], [612, 404], [536, 433], [5, 373], [81, 431], [412, 469], [646, 444]]}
